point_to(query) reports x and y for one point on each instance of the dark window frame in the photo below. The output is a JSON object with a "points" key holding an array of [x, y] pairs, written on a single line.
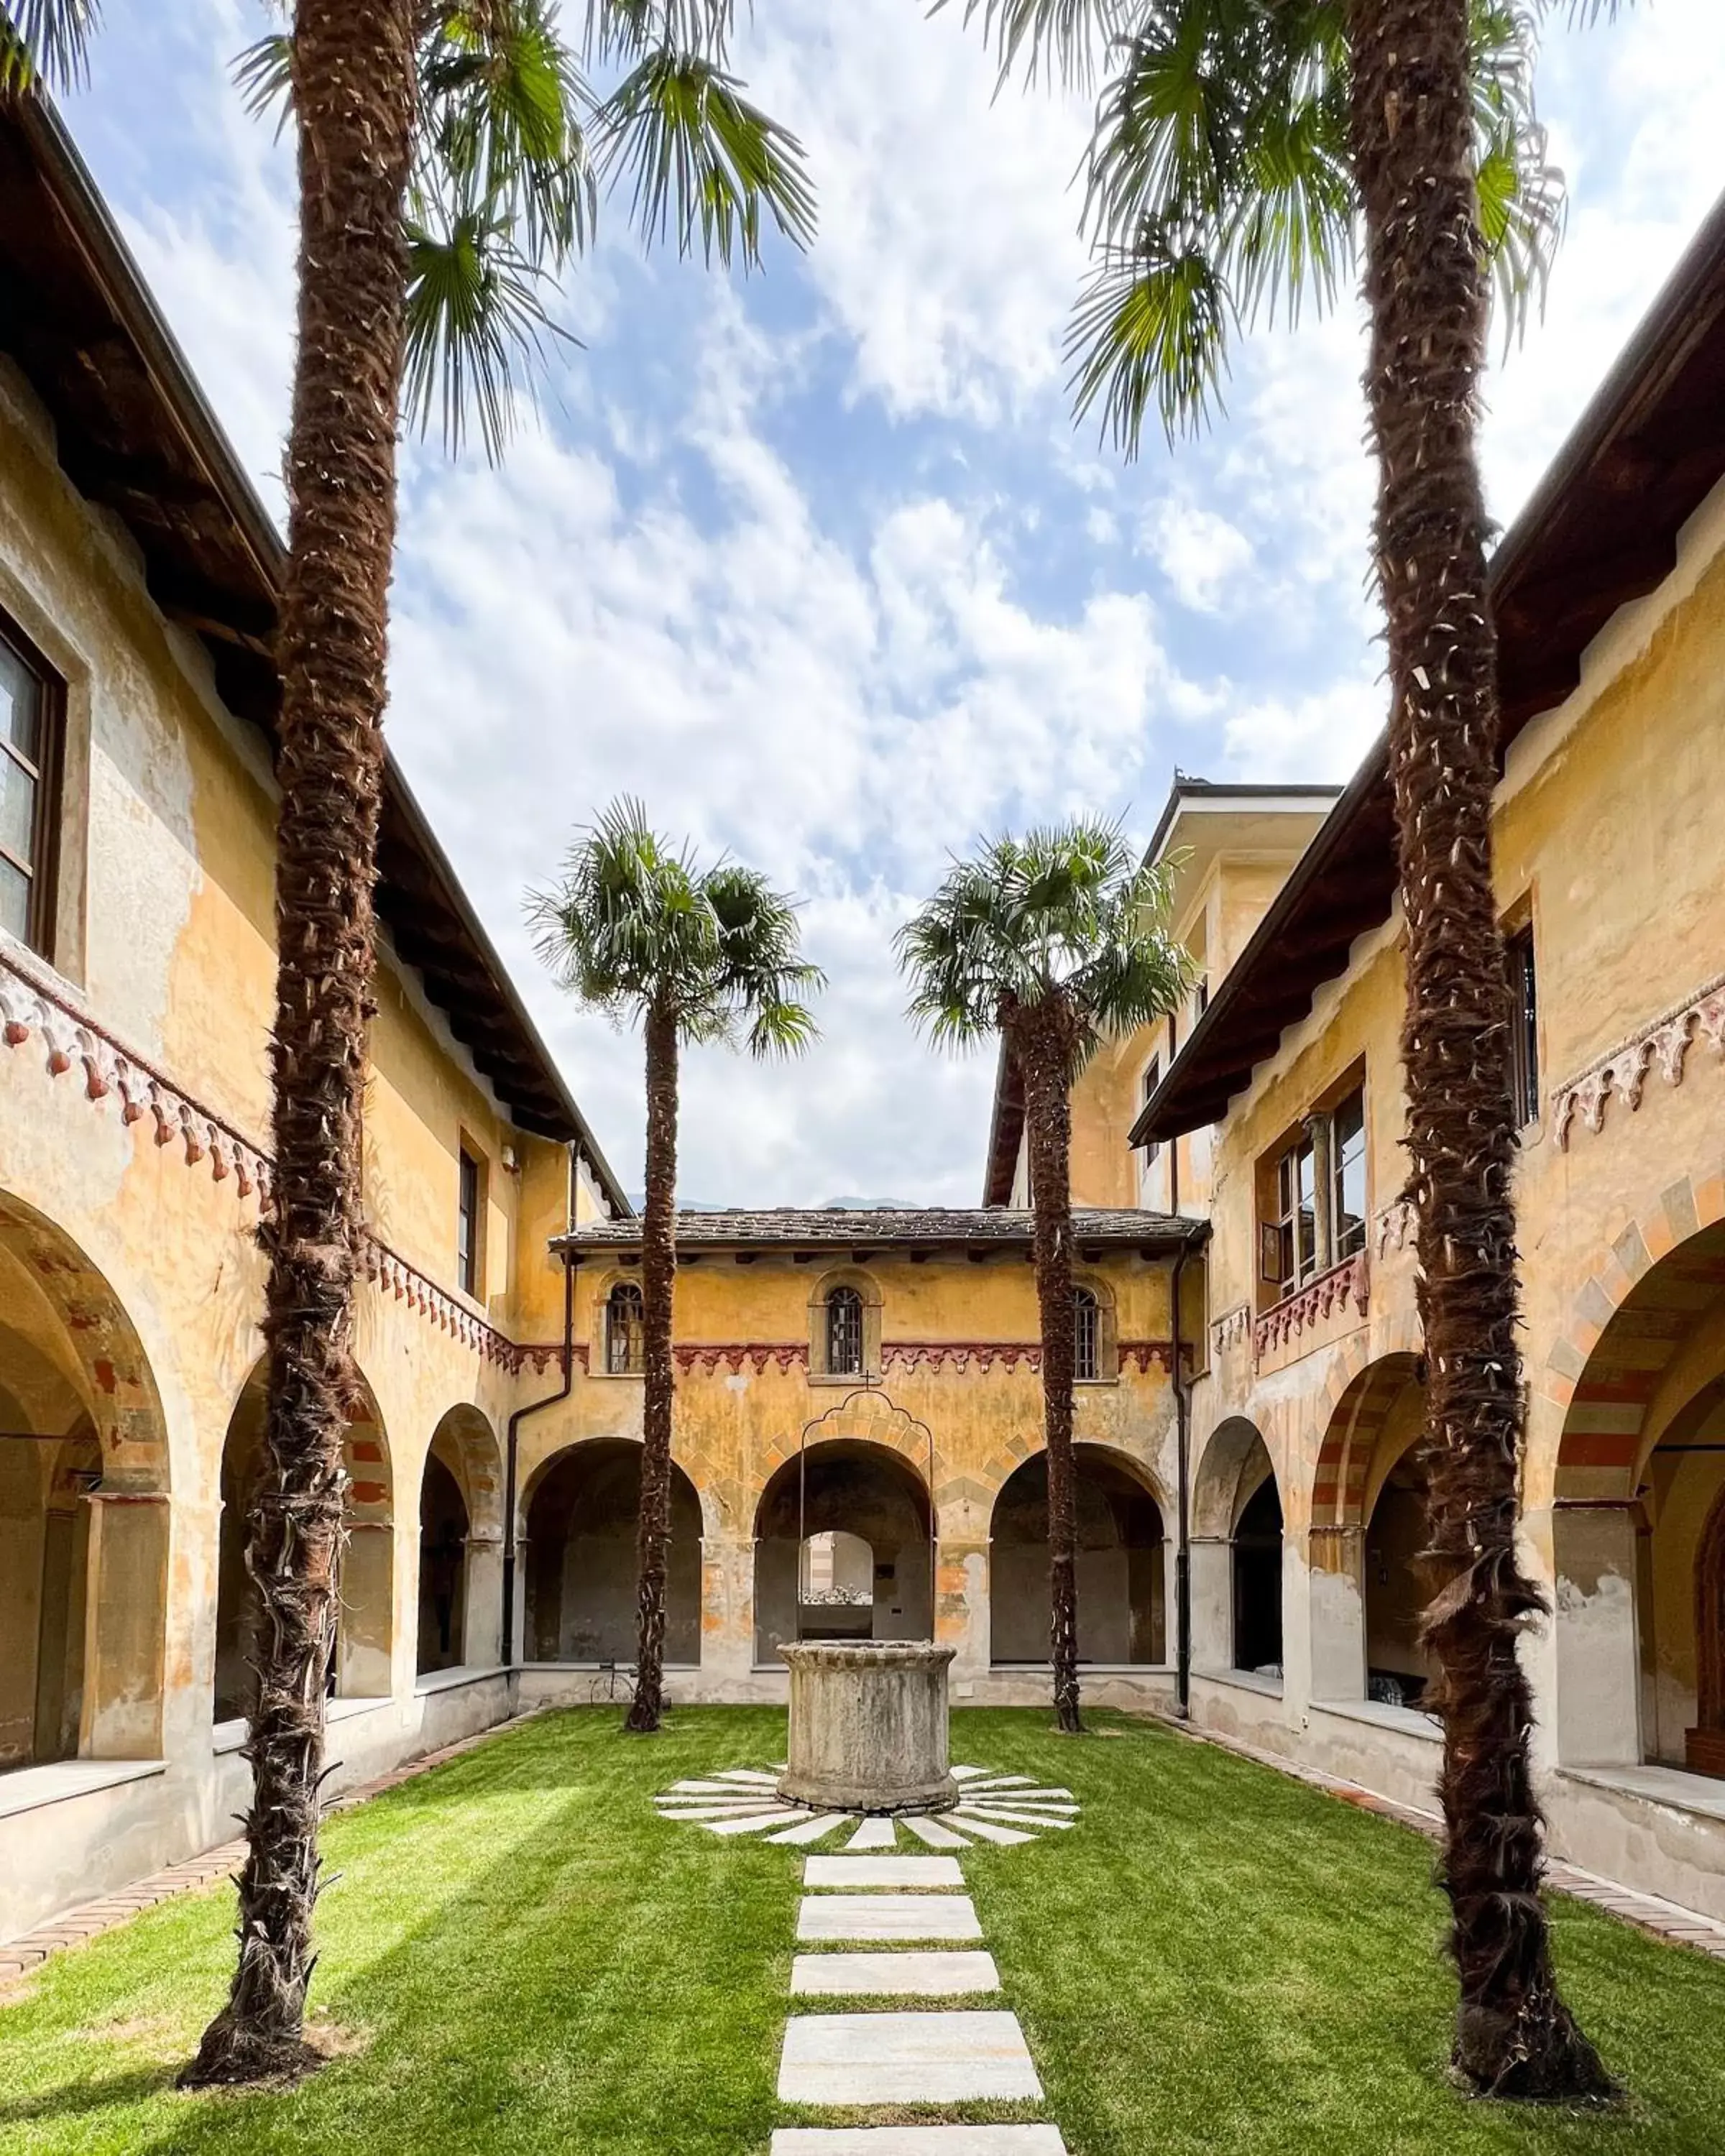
{"points": [[1086, 1336], [469, 1201], [46, 774], [1300, 1238], [1524, 1026], [625, 1345], [845, 1344], [1147, 1085]]}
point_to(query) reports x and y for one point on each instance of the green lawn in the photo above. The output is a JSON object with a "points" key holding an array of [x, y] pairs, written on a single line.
{"points": [[527, 1960]]}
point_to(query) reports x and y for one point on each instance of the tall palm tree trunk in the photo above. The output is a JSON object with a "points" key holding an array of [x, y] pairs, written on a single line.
{"points": [[659, 1278], [1047, 1119], [354, 87], [1427, 288]]}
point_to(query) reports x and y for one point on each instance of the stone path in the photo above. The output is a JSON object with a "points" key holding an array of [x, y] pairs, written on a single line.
{"points": [[891, 2059]]}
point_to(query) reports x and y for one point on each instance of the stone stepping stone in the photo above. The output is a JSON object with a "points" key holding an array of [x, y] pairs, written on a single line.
{"points": [[874, 1834], [699, 1789], [937, 1835], [758, 1824], [866, 1916], [987, 1830], [747, 1774], [918, 2141], [814, 1830], [974, 1782], [712, 1807], [1013, 1817], [969, 1773], [959, 2057], [907, 1974], [882, 1872]]}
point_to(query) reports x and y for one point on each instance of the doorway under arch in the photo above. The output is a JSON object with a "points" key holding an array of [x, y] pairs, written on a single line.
{"points": [[1237, 1554], [582, 1513], [1122, 1564], [362, 1667], [871, 1496]]}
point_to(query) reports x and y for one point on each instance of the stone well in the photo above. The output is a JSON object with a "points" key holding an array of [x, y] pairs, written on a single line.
{"points": [[869, 1726]]}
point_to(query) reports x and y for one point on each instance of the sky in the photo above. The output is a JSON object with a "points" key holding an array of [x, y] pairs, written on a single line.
{"points": [[816, 563]]}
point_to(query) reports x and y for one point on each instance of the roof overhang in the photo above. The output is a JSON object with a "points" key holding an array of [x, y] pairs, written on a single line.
{"points": [[829, 1234], [135, 436], [1600, 530]]}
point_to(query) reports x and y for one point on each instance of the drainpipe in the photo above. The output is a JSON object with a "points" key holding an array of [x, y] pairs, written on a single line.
{"points": [[515, 1421]]}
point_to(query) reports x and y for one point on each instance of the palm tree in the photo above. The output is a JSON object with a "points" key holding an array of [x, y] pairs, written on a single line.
{"points": [[635, 928], [1240, 145], [447, 153], [1055, 942]]}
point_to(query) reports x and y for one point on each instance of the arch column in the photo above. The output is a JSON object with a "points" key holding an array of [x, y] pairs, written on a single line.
{"points": [[365, 1641], [1212, 1602], [1335, 1583], [1597, 1640], [962, 1618], [728, 1608], [482, 1618], [125, 1622]]}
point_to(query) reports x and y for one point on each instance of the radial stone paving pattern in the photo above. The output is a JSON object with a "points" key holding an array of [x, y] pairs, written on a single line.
{"points": [[886, 1912], [1003, 1810]]}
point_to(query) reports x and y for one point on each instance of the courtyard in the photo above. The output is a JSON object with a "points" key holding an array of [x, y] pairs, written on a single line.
{"points": [[518, 1954]]}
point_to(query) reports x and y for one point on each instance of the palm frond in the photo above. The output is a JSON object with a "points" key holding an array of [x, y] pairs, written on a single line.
{"points": [[1063, 40], [263, 74], [477, 330], [1150, 333], [636, 925], [1061, 916], [46, 40], [698, 157]]}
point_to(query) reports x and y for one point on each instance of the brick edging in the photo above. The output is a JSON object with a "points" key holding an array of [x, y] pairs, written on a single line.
{"points": [[1648, 1912], [89, 1920]]}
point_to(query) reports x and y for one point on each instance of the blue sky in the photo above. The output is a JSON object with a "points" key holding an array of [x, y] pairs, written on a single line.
{"points": [[816, 562]]}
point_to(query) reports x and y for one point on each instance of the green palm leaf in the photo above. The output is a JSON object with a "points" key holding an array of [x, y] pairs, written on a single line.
{"points": [[46, 39]]}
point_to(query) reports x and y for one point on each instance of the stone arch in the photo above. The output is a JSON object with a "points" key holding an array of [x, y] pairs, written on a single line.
{"points": [[865, 1416], [857, 1485], [97, 1340], [1122, 1586], [577, 1562], [1231, 1458], [1237, 1524], [1640, 1374], [460, 1578], [365, 1626], [1342, 1479], [84, 1508]]}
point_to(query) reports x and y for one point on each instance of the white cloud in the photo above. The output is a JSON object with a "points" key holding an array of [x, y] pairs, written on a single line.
{"points": [[1202, 556], [842, 633]]}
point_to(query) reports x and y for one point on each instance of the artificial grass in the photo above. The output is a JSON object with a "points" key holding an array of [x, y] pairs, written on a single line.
{"points": [[526, 1959]]}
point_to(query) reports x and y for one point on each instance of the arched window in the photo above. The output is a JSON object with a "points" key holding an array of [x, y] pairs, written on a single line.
{"points": [[844, 1334], [625, 1331], [1086, 1335]]}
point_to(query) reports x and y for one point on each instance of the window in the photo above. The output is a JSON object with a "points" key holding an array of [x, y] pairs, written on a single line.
{"points": [[468, 1215], [1319, 1198], [1086, 1336], [29, 761], [1524, 1029], [1347, 1173], [1151, 1079], [844, 1334], [625, 1331]]}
